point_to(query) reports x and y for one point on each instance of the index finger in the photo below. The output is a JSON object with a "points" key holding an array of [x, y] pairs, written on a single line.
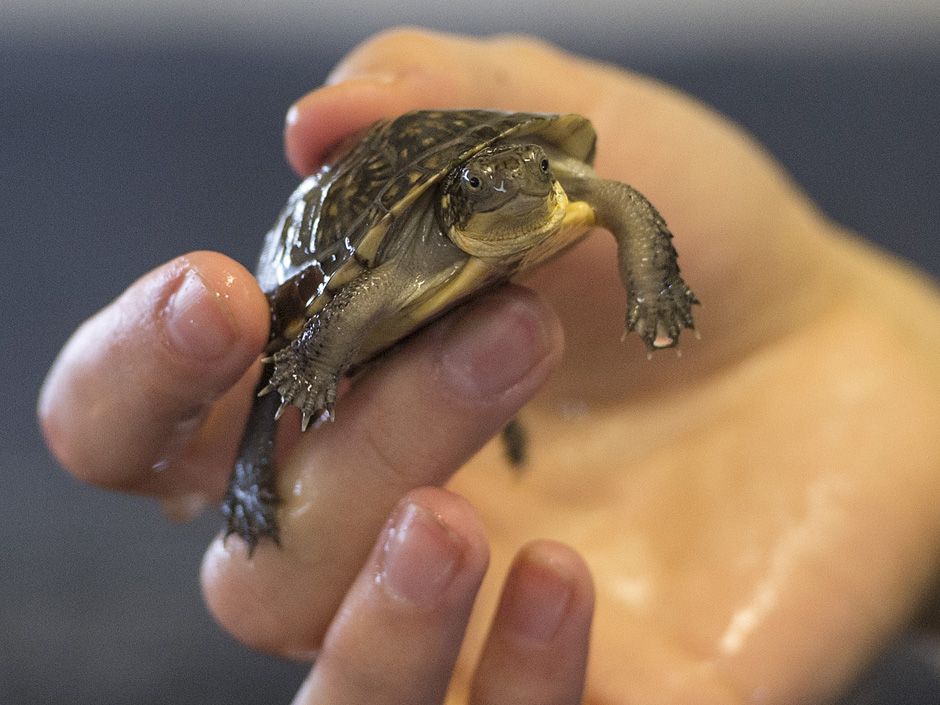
{"points": [[403, 70]]}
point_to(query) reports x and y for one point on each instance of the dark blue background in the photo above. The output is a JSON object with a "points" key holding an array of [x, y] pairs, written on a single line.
{"points": [[114, 161]]}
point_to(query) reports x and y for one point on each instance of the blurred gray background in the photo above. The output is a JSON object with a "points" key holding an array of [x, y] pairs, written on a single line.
{"points": [[131, 132]]}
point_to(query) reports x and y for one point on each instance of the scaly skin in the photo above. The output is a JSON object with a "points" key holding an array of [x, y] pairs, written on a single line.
{"points": [[659, 302]]}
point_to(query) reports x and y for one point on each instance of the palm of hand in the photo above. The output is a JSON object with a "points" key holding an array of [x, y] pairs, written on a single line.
{"points": [[730, 520]]}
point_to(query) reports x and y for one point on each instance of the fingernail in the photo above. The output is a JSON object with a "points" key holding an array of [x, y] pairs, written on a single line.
{"points": [[420, 556], [493, 346], [196, 323], [536, 599]]}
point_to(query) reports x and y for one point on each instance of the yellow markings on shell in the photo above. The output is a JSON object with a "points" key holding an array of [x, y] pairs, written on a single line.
{"points": [[372, 239], [342, 276], [572, 133], [293, 330], [345, 274], [314, 307]]}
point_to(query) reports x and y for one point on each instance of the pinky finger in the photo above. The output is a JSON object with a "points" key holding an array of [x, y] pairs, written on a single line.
{"points": [[537, 649]]}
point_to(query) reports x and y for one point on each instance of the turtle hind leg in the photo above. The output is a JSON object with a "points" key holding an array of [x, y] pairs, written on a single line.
{"points": [[515, 443], [301, 379], [251, 502]]}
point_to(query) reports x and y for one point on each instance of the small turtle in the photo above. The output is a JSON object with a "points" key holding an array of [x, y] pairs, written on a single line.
{"points": [[423, 212]]}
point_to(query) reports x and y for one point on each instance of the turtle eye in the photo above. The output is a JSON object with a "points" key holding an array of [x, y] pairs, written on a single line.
{"points": [[474, 182], [544, 166]]}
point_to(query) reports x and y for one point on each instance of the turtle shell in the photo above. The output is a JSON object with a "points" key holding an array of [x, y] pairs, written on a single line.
{"points": [[334, 223]]}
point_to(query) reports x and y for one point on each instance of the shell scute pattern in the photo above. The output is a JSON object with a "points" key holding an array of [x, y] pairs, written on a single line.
{"points": [[395, 161], [337, 218]]}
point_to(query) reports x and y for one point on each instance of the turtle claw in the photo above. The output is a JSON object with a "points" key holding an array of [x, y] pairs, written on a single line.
{"points": [[302, 383], [307, 416], [659, 320], [250, 513]]}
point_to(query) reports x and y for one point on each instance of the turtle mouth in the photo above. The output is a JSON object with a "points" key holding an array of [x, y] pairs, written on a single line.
{"points": [[519, 224]]}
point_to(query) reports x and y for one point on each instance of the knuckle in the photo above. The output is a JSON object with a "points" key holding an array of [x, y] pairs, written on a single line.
{"points": [[393, 40], [525, 44], [352, 673], [380, 458], [379, 443], [403, 50]]}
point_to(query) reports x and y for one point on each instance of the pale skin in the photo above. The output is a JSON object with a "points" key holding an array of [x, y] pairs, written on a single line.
{"points": [[758, 516]]}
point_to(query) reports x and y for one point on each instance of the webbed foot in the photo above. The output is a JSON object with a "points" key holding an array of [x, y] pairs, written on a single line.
{"points": [[303, 384], [250, 511], [659, 303], [658, 320]]}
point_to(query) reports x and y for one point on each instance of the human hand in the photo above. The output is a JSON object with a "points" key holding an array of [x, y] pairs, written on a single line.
{"points": [[761, 514], [729, 503], [398, 632], [174, 341]]}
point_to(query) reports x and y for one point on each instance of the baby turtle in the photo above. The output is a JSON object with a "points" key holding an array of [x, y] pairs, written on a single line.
{"points": [[423, 212]]}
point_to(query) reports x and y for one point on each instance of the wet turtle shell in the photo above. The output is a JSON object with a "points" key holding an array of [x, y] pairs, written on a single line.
{"points": [[337, 222]]}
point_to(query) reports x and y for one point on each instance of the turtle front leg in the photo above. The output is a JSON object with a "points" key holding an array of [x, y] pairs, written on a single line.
{"points": [[307, 372], [659, 303]]}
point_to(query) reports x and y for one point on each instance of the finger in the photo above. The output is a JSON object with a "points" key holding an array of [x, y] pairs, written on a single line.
{"points": [[399, 630], [411, 421], [646, 129], [402, 70], [702, 171], [537, 648], [135, 382]]}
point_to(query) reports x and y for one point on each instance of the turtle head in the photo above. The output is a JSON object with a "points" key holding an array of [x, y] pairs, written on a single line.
{"points": [[502, 201]]}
